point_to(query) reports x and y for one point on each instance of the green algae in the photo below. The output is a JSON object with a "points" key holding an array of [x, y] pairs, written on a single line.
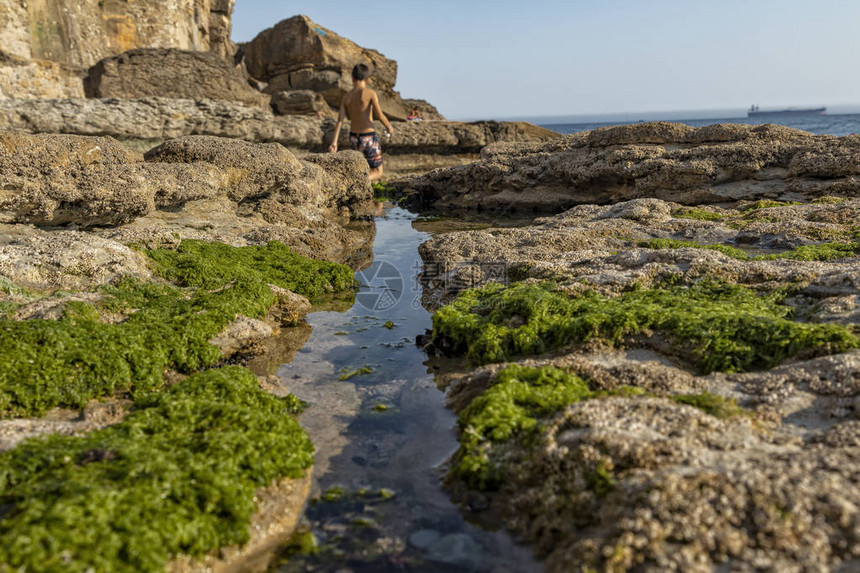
{"points": [[676, 244], [698, 214], [517, 404], [602, 479], [177, 476], [712, 404], [822, 252], [828, 200], [382, 190], [347, 372], [767, 204], [67, 362], [213, 265], [717, 327], [510, 409]]}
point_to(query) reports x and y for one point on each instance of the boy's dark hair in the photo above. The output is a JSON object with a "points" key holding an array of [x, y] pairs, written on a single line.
{"points": [[361, 72]]}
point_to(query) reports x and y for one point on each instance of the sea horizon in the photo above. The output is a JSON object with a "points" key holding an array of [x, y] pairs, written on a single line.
{"points": [[839, 120], [661, 115]]}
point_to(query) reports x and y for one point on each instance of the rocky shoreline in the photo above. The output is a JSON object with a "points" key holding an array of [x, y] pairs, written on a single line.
{"points": [[693, 398], [128, 282], [658, 373]]}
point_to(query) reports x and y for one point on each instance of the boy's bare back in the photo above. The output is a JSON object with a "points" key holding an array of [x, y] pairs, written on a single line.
{"points": [[362, 106]]}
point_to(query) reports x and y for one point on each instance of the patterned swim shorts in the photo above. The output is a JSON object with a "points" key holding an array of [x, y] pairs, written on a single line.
{"points": [[368, 144]]}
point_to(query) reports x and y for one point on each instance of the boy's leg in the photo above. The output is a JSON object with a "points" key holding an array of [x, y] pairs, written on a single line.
{"points": [[375, 174]]}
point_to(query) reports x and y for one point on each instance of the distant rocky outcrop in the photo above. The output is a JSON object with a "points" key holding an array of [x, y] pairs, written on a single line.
{"points": [[298, 54], [668, 161], [170, 73], [47, 45]]}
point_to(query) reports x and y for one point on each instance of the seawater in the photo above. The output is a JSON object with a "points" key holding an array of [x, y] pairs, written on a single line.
{"points": [[842, 124], [382, 431]]}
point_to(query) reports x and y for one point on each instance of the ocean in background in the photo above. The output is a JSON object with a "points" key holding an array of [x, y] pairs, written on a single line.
{"points": [[839, 124]]}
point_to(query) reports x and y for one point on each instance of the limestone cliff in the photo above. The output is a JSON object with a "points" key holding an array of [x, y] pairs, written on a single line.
{"points": [[45, 45]]}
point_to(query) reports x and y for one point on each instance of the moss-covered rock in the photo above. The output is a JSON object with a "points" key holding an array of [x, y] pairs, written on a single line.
{"points": [[178, 475], [46, 363], [715, 326], [505, 421]]}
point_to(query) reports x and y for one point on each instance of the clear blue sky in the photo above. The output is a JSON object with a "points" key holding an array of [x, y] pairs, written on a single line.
{"points": [[503, 58]]}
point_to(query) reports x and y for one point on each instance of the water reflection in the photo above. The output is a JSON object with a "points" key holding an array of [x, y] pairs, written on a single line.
{"points": [[382, 430]]}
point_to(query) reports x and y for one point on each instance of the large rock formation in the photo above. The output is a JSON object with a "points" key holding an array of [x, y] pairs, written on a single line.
{"points": [[202, 188], [45, 45], [298, 54], [156, 119], [673, 162], [170, 73]]}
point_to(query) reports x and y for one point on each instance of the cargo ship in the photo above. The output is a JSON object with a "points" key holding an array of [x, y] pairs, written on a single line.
{"points": [[754, 111]]}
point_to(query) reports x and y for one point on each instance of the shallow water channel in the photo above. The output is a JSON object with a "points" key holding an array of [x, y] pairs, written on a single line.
{"points": [[382, 431]]}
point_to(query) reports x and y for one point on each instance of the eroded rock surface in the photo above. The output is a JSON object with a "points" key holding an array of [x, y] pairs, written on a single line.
{"points": [[672, 162], [150, 121], [197, 187], [652, 467], [612, 247], [299, 54], [170, 73]]}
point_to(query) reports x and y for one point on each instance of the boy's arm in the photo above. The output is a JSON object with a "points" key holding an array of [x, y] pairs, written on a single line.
{"points": [[377, 113], [340, 117]]}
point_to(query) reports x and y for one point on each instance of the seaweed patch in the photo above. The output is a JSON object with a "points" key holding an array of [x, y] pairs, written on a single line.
{"points": [[178, 475], [716, 326]]}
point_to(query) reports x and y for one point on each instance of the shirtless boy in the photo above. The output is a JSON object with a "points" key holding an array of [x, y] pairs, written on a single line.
{"points": [[361, 105]]}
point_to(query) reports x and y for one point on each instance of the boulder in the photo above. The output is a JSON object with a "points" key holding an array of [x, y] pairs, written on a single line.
{"points": [[672, 162], [172, 73], [299, 54], [300, 102], [24, 79]]}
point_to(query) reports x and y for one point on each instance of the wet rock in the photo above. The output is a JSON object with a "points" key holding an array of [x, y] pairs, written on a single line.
{"points": [[289, 308], [242, 335], [455, 549], [53, 308], [424, 538], [170, 73], [95, 415], [601, 247]]}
